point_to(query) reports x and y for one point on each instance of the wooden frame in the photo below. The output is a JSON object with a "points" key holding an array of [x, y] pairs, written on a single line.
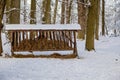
{"points": [[40, 39]]}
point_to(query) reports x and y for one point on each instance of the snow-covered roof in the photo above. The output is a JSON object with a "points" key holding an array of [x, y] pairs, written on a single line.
{"points": [[42, 27]]}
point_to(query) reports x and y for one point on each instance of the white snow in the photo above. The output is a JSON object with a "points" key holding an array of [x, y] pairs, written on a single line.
{"points": [[101, 64], [43, 27]]}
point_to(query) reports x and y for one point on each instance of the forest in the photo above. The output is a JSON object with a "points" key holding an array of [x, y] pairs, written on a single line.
{"points": [[82, 12], [59, 40]]}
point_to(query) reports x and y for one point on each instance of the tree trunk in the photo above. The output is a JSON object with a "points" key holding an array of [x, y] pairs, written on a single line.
{"points": [[91, 23], [63, 12], [15, 13], [67, 11], [47, 12], [81, 18], [33, 12], [97, 20], [43, 11], [25, 12], [32, 17], [68, 7], [2, 8], [55, 11], [8, 3], [103, 17]]}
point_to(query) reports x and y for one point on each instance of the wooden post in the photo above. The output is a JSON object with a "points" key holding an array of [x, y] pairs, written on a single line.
{"points": [[63, 37], [54, 43], [12, 41], [60, 39], [75, 45], [70, 35], [17, 38], [57, 39]]}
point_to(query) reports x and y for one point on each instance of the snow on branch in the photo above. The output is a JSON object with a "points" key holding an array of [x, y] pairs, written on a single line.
{"points": [[12, 9], [84, 3]]}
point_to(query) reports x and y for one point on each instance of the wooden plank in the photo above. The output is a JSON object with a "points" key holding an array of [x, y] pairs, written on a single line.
{"points": [[46, 50], [70, 33], [75, 45]]}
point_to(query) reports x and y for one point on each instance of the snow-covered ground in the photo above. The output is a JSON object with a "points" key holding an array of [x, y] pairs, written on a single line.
{"points": [[102, 64]]}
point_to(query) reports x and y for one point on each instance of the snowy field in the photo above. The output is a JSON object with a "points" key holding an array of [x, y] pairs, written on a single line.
{"points": [[101, 64]]}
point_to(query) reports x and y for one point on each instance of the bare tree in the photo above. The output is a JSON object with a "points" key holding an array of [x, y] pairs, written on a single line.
{"points": [[91, 23], [2, 8]]}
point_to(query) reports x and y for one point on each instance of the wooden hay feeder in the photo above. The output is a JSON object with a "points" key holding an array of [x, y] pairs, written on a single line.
{"points": [[46, 37]]}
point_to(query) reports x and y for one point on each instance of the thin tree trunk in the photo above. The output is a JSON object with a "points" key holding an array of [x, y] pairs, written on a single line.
{"points": [[103, 17], [97, 20], [67, 11], [32, 17], [43, 11], [68, 7], [63, 12], [81, 18], [25, 12], [2, 8], [47, 12], [55, 11], [33, 12], [8, 3]]}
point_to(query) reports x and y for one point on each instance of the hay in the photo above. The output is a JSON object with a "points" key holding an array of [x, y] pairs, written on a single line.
{"points": [[40, 45]]}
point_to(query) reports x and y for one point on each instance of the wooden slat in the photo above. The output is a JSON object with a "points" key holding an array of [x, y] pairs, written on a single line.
{"points": [[70, 32], [43, 40], [75, 45]]}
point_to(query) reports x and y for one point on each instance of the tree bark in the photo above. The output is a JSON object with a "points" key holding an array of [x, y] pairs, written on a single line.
{"points": [[47, 12], [97, 20], [91, 23], [67, 11], [8, 3], [33, 12], [103, 18], [82, 18], [55, 11], [63, 12], [25, 12], [15, 13], [68, 7], [43, 11]]}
